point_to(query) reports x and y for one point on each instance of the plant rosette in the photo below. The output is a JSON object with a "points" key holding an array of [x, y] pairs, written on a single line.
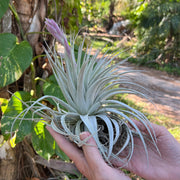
{"points": [[88, 85]]}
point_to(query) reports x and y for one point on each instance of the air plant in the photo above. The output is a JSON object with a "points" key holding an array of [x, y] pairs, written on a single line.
{"points": [[89, 84]]}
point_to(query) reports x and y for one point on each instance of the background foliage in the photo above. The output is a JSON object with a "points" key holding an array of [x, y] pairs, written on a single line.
{"points": [[155, 25], [67, 12]]}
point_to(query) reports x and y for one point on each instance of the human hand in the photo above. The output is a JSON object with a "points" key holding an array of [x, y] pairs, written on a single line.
{"points": [[162, 167], [88, 160]]}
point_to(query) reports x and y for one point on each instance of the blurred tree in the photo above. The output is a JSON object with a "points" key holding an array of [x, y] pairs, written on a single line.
{"points": [[158, 30], [95, 14], [67, 13], [23, 18], [111, 14]]}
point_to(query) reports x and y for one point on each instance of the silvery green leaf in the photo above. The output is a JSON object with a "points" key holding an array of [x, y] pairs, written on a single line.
{"points": [[88, 85], [110, 132]]}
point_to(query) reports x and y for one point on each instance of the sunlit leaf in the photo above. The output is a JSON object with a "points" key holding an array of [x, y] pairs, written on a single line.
{"points": [[51, 87], [15, 107], [15, 58], [44, 143], [4, 104]]}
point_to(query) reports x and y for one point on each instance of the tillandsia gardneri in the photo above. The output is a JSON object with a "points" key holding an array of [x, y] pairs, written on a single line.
{"points": [[88, 84]]}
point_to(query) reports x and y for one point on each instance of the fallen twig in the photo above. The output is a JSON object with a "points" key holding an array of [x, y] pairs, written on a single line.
{"points": [[58, 165]]}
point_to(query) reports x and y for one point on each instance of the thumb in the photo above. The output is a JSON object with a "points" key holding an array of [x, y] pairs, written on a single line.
{"points": [[91, 152]]}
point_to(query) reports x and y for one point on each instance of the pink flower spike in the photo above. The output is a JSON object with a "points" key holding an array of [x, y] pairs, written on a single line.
{"points": [[54, 29], [58, 33]]}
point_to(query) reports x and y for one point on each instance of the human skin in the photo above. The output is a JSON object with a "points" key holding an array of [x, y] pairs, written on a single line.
{"points": [[91, 164], [163, 166], [88, 160]]}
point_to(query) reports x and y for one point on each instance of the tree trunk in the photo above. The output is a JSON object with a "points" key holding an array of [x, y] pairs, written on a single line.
{"points": [[7, 154], [8, 170], [6, 22], [111, 14], [31, 14]]}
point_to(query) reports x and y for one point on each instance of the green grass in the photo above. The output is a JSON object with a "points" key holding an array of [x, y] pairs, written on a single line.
{"points": [[105, 45], [97, 44], [175, 131], [169, 68], [154, 117]]}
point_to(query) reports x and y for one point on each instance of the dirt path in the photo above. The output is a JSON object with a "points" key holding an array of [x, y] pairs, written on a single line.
{"points": [[164, 90]]}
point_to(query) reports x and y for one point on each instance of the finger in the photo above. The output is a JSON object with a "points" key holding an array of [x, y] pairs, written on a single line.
{"points": [[91, 152], [75, 154], [70, 149], [96, 163]]}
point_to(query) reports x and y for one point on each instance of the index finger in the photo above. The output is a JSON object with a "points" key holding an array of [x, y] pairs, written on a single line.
{"points": [[72, 151]]}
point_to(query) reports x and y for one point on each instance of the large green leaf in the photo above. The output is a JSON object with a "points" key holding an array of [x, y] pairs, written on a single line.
{"points": [[3, 7], [15, 58], [51, 87], [15, 107], [42, 141]]}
